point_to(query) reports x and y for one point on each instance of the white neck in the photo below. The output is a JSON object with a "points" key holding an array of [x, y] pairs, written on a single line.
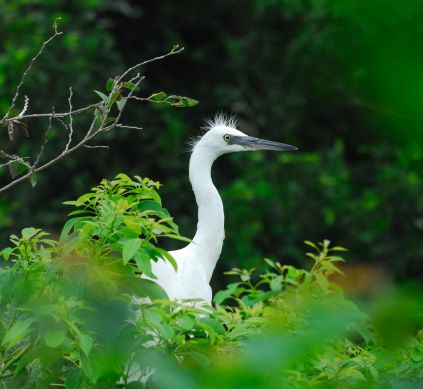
{"points": [[208, 240]]}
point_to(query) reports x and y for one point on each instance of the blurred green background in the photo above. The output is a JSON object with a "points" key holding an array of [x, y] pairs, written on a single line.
{"points": [[342, 80]]}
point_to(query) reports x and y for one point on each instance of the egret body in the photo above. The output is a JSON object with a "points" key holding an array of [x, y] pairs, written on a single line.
{"points": [[196, 262]]}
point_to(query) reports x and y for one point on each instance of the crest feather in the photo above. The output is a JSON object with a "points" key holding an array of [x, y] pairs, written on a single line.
{"points": [[220, 119]]}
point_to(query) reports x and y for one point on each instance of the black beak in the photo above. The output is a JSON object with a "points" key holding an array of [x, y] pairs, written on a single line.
{"points": [[252, 143]]}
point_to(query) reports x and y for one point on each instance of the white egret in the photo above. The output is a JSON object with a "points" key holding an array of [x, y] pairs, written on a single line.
{"points": [[196, 262]]}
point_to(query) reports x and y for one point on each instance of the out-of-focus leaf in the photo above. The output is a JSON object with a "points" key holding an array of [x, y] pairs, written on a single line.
{"points": [[54, 338], [17, 332], [159, 96], [109, 84], [86, 343], [416, 353], [103, 97], [129, 249]]}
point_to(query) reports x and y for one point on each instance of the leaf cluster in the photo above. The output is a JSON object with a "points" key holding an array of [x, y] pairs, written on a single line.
{"points": [[77, 312]]}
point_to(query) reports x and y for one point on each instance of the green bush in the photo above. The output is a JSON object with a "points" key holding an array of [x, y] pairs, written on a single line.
{"points": [[340, 80], [75, 312]]}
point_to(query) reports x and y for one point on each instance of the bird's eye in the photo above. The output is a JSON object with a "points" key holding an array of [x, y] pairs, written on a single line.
{"points": [[227, 138]]}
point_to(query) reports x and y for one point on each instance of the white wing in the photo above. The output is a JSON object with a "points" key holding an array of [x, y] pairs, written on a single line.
{"points": [[189, 281]]}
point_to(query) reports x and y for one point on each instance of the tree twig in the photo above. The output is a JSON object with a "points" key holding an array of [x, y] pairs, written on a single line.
{"points": [[27, 70], [129, 127], [122, 92], [70, 119]]}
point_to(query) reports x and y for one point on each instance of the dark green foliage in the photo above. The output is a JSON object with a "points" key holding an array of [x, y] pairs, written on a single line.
{"points": [[75, 312], [338, 79]]}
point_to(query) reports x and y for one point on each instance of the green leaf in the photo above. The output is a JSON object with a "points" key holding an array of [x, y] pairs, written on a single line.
{"points": [[74, 379], [30, 232], [167, 256], [16, 333], [133, 223], [68, 227], [276, 283], [85, 343], [416, 353], [159, 96], [130, 248], [78, 212], [69, 203], [148, 288], [166, 331], [84, 199], [116, 96], [270, 263], [104, 97], [6, 252], [120, 104], [91, 372], [17, 168], [131, 86], [181, 101], [213, 323], [143, 261], [322, 281], [311, 244], [338, 248], [185, 322], [373, 372], [152, 317], [178, 237], [189, 102], [33, 180], [329, 267], [221, 296], [110, 120], [54, 338], [150, 205], [109, 84]]}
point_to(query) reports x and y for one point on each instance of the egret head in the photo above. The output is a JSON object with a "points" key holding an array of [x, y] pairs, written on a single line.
{"points": [[222, 137]]}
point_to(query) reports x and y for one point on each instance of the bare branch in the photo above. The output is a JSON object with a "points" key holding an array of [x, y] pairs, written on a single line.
{"points": [[57, 115], [25, 73], [122, 92], [70, 150], [70, 119], [130, 127], [7, 163], [144, 99], [175, 50], [25, 108], [96, 147], [50, 119]]}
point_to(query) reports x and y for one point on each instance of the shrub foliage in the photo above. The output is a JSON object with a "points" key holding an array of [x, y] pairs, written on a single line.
{"points": [[75, 312]]}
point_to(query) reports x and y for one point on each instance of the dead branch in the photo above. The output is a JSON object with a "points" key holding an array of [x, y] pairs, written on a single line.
{"points": [[119, 94]]}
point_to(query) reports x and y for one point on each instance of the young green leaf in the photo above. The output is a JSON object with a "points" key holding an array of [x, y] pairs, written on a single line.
{"points": [[17, 332], [131, 86], [130, 248], [86, 343], [103, 97], [54, 338], [159, 96], [110, 84]]}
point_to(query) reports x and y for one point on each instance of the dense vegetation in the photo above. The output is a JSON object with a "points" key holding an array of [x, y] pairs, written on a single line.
{"points": [[338, 79], [76, 313]]}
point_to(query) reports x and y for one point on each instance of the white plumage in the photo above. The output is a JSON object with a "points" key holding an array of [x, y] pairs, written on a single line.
{"points": [[196, 262]]}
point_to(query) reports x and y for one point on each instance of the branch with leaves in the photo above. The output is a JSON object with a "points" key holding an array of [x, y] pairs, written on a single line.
{"points": [[105, 114]]}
